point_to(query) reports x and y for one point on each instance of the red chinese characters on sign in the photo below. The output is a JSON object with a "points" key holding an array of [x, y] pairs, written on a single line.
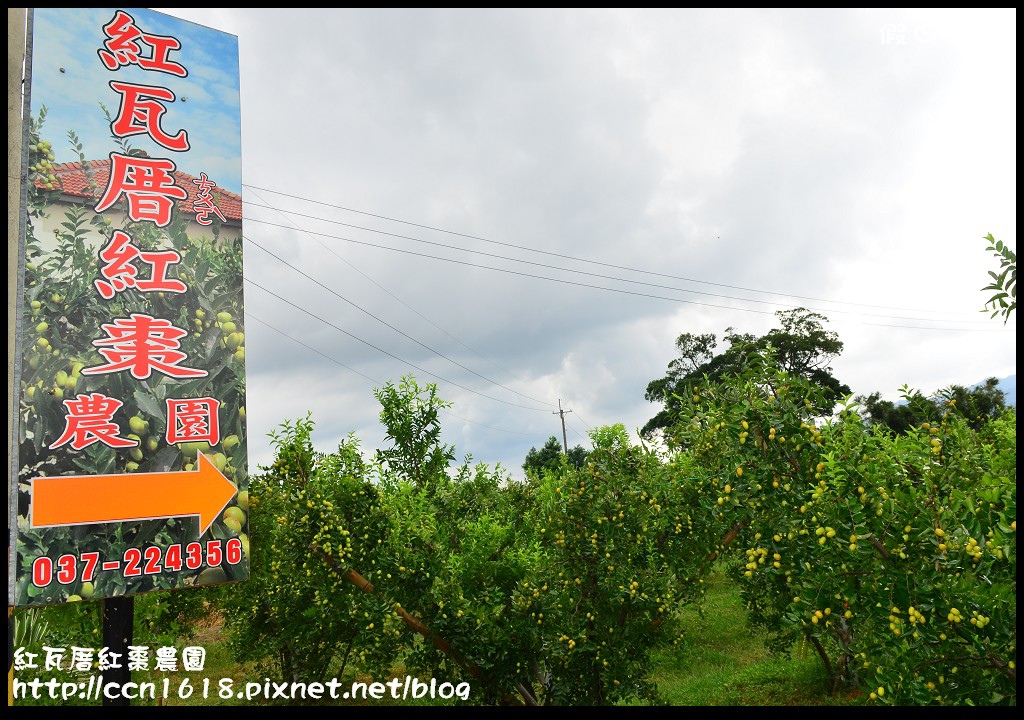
{"points": [[125, 46], [203, 205], [90, 420], [141, 111], [119, 273], [142, 344], [148, 183], [192, 420]]}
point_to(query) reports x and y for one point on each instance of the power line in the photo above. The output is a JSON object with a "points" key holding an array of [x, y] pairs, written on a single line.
{"points": [[331, 250], [600, 287], [564, 256], [383, 322], [385, 352], [250, 316], [516, 272]]}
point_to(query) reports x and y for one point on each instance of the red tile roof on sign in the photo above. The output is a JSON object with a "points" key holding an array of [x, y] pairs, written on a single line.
{"points": [[73, 181]]}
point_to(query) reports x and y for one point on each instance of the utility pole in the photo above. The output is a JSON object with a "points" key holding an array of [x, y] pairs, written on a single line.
{"points": [[561, 413]]}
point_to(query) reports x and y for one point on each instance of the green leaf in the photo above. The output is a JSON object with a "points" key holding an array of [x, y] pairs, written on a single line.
{"points": [[148, 404]]}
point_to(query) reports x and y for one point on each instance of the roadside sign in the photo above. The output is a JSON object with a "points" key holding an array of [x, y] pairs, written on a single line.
{"points": [[131, 454]]}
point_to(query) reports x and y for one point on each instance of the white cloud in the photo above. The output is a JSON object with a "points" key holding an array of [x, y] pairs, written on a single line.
{"points": [[804, 153]]}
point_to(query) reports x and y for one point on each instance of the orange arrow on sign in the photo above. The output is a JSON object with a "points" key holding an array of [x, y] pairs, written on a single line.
{"points": [[85, 499]]}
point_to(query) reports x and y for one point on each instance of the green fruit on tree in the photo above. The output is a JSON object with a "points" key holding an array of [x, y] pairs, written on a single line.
{"points": [[138, 425], [41, 328], [240, 354], [88, 589], [228, 327], [135, 454], [232, 524], [229, 442], [152, 443], [74, 598], [223, 317], [234, 340], [243, 499]]}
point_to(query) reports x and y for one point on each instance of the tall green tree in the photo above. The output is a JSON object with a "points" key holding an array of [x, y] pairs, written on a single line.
{"points": [[977, 405], [900, 417], [409, 414], [549, 457], [801, 345]]}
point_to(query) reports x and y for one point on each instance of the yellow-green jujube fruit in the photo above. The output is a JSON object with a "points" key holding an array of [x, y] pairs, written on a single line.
{"points": [[232, 524], [189, 449], [219, 460], [234, 513], [138, 425]]}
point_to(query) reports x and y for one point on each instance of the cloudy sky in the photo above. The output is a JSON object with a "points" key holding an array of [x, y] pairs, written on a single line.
{"points": [[528, 206]]}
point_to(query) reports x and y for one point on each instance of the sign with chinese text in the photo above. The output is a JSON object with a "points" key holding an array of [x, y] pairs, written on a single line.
{"points": [[131, 466]]}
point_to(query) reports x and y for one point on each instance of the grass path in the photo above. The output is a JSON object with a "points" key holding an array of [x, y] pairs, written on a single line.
{"points": [[723, 661]]}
